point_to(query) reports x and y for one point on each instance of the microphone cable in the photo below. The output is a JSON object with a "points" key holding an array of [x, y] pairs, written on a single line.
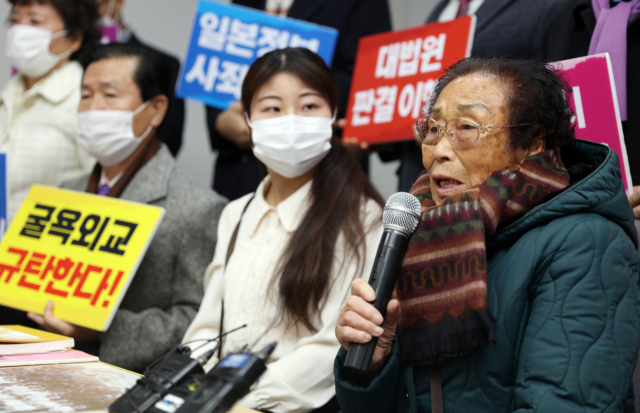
{"points": [[156, 386], [269, 327], [218, 339]]}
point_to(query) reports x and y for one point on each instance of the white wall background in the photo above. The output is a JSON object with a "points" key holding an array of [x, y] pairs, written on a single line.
{"points": [[166, 25]]}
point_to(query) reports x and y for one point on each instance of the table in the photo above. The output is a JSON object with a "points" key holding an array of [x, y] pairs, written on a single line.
{"points": [[79, 387]]}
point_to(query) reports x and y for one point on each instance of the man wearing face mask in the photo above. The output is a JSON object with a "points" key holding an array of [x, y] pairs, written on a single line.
{"points": [[114, 30], [123, 103], [38, 125]]}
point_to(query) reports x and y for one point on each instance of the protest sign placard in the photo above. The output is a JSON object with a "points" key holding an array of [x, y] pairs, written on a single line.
{"points": [[595, 105], [395, 73], [109, 33], [226, 39], [4, 190], [78, 250]]}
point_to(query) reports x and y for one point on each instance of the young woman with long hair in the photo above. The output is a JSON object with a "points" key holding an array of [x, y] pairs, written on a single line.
{"points": [[288, 253]]}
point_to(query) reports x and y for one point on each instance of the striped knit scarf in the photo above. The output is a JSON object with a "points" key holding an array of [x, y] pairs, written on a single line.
{"points": [[442, 286]]}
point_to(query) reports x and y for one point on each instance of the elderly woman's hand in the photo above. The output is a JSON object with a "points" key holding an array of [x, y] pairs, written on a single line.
{"points": [[359, 321], [634, 200]]}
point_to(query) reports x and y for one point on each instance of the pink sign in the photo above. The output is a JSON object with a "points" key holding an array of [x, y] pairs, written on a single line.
{"points": [[109, 34], [54, 357], [595, 105]]}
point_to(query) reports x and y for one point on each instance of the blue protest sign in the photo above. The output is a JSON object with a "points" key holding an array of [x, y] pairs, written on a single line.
{"points": [[3, 194], [227, 38]]}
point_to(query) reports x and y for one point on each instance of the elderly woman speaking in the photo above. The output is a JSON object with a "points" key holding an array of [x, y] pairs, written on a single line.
{"points": [[519, 289]]}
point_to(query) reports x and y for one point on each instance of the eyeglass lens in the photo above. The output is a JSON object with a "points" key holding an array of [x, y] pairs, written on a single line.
{"points": [[460, 132]]}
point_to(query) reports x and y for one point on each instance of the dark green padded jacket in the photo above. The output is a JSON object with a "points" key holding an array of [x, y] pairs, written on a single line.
{"points": [[563, 286]]}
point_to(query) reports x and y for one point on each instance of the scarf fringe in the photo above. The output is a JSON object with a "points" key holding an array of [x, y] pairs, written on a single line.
{"points": [[425, 343]]}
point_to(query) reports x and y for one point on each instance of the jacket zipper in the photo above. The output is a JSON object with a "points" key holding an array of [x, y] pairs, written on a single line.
{"points": [[412, 392]]}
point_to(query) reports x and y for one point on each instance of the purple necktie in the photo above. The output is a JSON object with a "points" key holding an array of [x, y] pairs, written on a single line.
{"points": [[464, 8], [104, 190], [610, 36]]}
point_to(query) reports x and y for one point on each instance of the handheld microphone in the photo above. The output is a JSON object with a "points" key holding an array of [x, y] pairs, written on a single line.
{"points": [[229, 381], [400, 218]]}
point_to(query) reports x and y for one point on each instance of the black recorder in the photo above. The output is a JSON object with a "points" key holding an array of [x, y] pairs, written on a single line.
{"points": [[172, 371], [400, 217], [229, 381]]}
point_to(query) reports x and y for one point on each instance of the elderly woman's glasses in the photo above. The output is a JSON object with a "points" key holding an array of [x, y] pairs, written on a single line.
{"points": [[462, 133]]}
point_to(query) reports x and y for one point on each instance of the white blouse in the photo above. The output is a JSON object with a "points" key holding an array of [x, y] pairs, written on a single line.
{"points": [[299, 377], [38, 131]]}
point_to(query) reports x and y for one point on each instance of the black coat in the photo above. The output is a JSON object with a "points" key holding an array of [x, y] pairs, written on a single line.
{"points": [[503, 28], [237, 172], [568, 34], [170, 131]]}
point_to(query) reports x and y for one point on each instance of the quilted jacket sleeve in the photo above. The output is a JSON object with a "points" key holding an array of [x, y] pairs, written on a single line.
{"points": [[379, 393], [581, 339]]}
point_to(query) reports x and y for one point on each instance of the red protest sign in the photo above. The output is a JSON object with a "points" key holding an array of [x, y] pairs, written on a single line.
{"points": [[595, 105], [395, 73]]}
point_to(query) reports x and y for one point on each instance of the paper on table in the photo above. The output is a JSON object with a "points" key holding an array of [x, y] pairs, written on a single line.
{"points": [[7, 334], [65, 357], [21, 334]]}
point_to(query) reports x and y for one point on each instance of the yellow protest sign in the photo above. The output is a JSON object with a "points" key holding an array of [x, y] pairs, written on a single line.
{"points": [[78, 250]]}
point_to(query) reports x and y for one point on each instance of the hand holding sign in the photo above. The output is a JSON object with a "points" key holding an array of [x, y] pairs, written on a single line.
{"points": [[232, 125], [78, 250], [55, 325], [353, 145], [634, 200]]}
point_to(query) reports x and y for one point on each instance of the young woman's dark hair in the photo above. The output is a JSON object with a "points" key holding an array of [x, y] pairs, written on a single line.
{"points": [[338, 192], [536, 97], [80, 18]]}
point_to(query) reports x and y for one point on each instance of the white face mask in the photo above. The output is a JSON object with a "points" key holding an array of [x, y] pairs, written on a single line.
{"points": [[291, 145], [108, 136], [28, 50]]}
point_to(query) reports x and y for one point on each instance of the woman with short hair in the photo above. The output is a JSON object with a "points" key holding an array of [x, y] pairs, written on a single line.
{"points": [[519, 289], [38, 107], [287, 254]]}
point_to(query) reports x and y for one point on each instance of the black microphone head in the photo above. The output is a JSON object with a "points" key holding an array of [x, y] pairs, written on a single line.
{"points": [[402, 212], [266, 352]]}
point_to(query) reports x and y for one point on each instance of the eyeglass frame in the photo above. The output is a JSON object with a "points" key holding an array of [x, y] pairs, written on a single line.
{"points": [[441, 131]]}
